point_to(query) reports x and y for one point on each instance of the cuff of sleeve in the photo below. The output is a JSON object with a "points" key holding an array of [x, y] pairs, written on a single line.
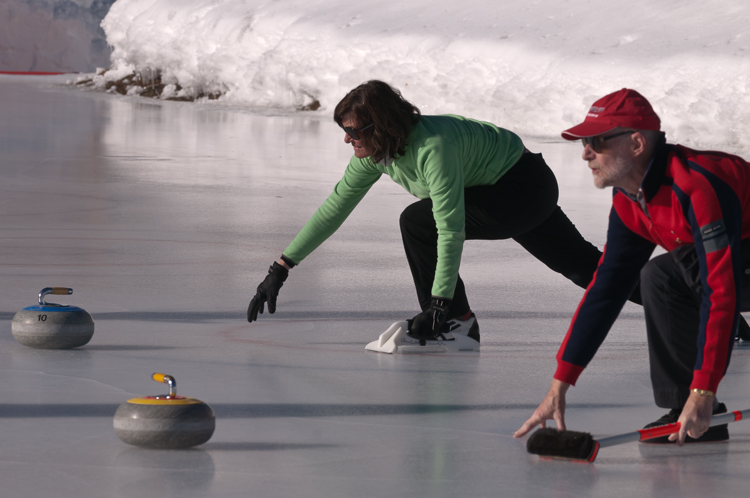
{"points": [[567, 372], [288, 261], [705, 380]]}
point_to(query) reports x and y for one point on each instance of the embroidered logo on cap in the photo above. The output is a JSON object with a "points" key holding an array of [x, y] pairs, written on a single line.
{"points": [[594, 111]]}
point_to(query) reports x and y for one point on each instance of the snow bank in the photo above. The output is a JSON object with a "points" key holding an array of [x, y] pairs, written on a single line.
{"points": [[531, 66]]}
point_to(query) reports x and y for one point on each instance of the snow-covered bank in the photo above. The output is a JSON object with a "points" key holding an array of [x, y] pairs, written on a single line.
{"points": [[532, 66]]}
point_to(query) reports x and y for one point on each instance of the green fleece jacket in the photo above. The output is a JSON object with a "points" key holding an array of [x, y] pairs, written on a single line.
{"points": [[444, 155]]}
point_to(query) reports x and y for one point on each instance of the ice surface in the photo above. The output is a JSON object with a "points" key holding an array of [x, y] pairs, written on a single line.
{"points": [[531, 66], [163, 217]]}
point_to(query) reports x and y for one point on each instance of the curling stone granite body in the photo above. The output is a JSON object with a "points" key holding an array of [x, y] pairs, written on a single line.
{"points": [[52, 327], [166, 423]]}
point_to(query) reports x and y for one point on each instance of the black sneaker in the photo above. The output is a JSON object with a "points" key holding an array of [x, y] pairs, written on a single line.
{"points": [[453, 326], [713, 434], [468, 327]]}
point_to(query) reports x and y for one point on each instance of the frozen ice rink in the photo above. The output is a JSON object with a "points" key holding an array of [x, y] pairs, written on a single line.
{"points": [[163, 218]]}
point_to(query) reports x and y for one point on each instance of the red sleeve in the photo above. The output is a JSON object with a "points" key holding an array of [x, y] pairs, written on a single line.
{"points": [[714, 212]]}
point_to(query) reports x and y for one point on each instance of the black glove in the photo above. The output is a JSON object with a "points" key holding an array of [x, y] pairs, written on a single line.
{"points": [[268, 290], [426, 325]]}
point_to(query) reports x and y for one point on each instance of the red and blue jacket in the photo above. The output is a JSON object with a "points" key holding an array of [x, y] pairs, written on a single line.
{"points": [[686, 197]]}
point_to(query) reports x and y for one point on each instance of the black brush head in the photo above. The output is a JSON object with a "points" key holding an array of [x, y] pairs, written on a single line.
{"points": [[561, 444]]}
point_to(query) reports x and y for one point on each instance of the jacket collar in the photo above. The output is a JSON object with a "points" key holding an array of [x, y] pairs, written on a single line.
{"points": [[657, 167]]}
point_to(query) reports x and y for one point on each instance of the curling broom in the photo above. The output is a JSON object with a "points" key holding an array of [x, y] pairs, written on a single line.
{"points": [[574, 445]]}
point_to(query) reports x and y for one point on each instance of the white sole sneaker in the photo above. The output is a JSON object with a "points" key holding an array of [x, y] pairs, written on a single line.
{"points": [[469, 328]]}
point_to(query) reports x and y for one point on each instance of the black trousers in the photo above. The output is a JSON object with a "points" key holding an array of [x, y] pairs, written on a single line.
{"points": [[522, 205], [672, 291]]}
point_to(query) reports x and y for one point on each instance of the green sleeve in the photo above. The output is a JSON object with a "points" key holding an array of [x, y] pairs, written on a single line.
{"points": [[443, 171], [359, 176]]}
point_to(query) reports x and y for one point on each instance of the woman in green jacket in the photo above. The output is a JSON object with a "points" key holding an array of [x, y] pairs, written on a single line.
{"points": [[474, 181]]}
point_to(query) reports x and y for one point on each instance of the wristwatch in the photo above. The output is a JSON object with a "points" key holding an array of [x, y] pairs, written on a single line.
{"points": [[703, 392]]}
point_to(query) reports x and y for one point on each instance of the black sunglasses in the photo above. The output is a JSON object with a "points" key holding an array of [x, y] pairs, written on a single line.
{"points": [[597, 142], [355, 133]]}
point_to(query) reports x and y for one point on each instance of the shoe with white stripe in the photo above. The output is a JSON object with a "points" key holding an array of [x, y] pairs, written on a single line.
{"points": [[468, 328]]}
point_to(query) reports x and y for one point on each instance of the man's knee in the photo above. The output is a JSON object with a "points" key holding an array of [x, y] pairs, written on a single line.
{"points": [[671, 273], [653, 272], [656, 274]]}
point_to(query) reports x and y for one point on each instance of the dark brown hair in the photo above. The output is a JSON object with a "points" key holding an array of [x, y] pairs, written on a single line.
{"points": [[379, 103]]}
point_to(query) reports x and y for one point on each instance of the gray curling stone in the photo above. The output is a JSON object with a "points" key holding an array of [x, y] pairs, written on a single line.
{"points": [[164, 422], [52, 326]]}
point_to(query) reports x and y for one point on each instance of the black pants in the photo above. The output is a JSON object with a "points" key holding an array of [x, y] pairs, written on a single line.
{"points": [[672, 291], [522, 205]]}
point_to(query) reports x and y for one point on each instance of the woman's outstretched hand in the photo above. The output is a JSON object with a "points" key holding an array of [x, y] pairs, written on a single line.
{"points": [[267, 291]]}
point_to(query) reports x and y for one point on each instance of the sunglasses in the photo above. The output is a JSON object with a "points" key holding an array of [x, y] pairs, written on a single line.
{"points": [[597, 143], [355, 133]]}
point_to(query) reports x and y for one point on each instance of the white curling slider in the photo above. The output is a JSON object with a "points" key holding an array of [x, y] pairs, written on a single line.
{"points": [[395, 340]]}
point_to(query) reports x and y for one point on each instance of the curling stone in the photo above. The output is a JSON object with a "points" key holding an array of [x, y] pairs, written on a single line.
{"points": [[165, 422], [53, 326]]}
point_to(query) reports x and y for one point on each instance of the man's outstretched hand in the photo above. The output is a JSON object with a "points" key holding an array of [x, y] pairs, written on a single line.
{"points": [[267, 291], [552, 408], [695, 418]]}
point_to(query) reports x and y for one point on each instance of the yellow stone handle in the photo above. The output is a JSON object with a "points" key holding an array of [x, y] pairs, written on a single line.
{"points": [[166, 379]]}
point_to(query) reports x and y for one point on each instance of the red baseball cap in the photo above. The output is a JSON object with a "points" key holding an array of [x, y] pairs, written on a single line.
{"points": [[625, 109]]}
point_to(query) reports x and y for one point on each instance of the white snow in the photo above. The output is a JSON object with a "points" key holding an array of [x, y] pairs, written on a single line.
{"points": [[531, 66]]}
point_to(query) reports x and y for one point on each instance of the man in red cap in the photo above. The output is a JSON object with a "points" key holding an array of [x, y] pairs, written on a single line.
{"points": [[694, 204]]}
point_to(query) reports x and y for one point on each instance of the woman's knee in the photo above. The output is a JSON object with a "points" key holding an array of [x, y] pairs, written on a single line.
{"points": [[417, 215]]}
